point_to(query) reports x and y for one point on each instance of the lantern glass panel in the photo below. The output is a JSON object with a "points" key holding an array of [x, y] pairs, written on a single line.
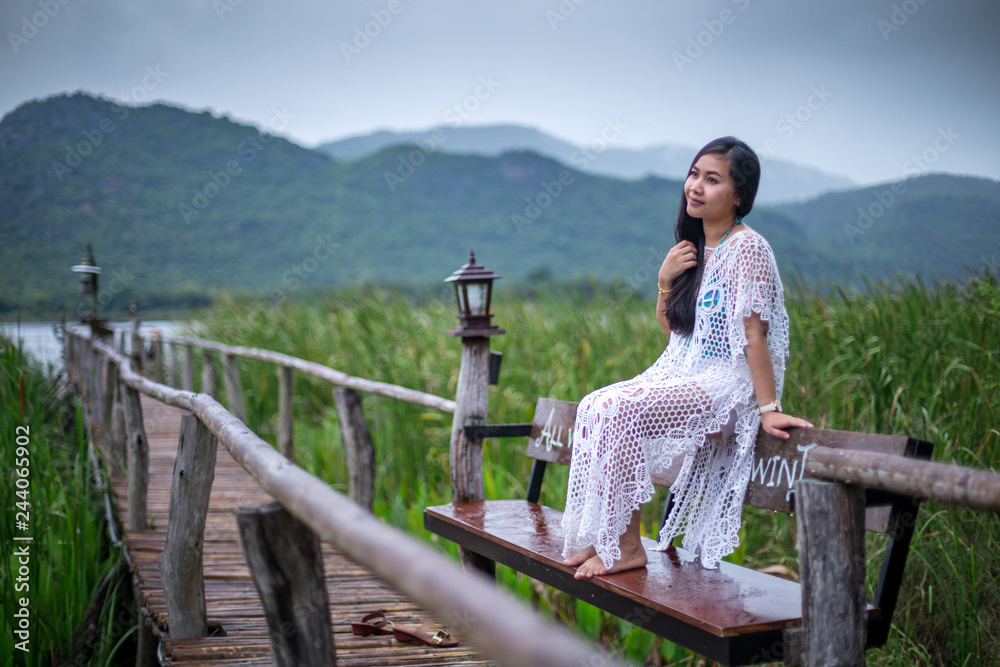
{"points": [[477, 298], [460, 298]]}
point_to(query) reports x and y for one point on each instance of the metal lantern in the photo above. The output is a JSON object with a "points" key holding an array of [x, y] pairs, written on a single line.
{"points": [[89, 281], [89, 272], [474, 295]]}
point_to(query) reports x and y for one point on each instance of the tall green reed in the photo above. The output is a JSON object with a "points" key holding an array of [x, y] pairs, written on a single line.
{"points": [[900, 358], [69, 555]]}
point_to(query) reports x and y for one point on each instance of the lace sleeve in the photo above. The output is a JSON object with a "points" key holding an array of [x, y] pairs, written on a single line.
{"points": [[756, 288]]}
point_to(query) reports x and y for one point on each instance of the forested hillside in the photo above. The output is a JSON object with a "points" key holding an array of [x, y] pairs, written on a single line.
{"points": [[179, 203]]}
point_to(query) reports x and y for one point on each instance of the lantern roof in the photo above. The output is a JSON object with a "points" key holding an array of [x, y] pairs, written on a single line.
{"points": [[472, 271]]}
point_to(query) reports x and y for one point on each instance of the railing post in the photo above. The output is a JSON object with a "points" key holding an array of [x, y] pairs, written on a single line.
{"points": [[95, 384], [471, 402], [138, 460], [286, 564], [157, 342], [175, 366], [209, 375], [108, 398], [234, 391], [831, 546], [357, 446], [181, 560], [286, 412], [138, 349], [188, 368], [118, 432]]}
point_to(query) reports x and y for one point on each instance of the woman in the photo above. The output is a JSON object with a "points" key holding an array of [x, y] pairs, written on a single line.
{"points": [[721, 305]]}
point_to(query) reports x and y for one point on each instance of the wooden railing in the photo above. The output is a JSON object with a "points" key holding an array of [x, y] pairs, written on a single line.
{"points": [[830, 507], [358, 446], [307, 510]]}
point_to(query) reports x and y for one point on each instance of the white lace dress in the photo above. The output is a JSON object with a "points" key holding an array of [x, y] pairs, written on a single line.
{"points": [[700, 385]]}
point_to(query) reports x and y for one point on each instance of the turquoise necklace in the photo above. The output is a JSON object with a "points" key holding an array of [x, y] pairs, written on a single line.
{"points": [[738, 221]]}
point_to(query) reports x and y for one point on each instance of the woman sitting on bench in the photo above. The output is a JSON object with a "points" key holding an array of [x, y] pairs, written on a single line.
{"points": [[719, 379]]}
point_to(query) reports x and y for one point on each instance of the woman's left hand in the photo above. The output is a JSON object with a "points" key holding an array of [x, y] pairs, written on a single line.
{"points": [[775, 422]]}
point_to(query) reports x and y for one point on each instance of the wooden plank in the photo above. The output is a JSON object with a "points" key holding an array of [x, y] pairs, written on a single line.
{"points": [[777, 464], [551, 437]]}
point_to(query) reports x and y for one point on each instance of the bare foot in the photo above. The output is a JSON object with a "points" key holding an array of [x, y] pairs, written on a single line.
{"points": [[580, 556], [633, 556]]}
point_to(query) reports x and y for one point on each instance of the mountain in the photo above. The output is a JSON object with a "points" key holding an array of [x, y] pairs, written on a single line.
{"points": [[179, 201], [781, 181]]}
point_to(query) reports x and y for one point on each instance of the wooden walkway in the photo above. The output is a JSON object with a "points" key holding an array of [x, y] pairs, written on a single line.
{"points": [[235, 615]]}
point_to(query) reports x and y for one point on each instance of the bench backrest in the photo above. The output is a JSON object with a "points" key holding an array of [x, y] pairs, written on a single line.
{"points": [[776, 463]]}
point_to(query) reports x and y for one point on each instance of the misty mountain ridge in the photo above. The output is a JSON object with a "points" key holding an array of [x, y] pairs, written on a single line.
{"points": [[175, 200], [781, 181]]}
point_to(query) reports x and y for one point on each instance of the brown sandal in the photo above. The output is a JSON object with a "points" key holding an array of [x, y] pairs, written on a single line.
{"points": [[374, 623], [424, 634]]}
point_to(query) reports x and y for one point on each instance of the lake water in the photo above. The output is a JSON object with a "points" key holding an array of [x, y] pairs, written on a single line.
{"points": [[39, 339]]}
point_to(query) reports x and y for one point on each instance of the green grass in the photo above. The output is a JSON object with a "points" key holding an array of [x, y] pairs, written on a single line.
{"points": [[68, 556], [899, 358]]}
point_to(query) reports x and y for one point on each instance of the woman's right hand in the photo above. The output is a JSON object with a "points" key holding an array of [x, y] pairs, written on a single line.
{"points": [[681, 257]]}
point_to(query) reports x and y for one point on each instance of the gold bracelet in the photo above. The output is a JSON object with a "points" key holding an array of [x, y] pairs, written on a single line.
{"points": [[663, 291]]}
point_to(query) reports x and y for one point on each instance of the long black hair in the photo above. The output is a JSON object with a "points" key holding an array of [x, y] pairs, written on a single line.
{"points": [[744, 170]]}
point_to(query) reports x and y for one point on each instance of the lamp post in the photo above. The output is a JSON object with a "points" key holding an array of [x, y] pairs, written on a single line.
{"points": [[89, 280], [474, 294]]}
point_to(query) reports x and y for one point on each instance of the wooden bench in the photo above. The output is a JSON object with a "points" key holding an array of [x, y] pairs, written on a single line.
{"points": [[733, 615]]}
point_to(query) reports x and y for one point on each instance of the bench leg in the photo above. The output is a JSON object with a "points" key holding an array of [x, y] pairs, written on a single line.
{"points": [[473, 561]]}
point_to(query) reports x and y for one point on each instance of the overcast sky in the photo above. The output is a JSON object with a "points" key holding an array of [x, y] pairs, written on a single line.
{"points": [[857, 87]]}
